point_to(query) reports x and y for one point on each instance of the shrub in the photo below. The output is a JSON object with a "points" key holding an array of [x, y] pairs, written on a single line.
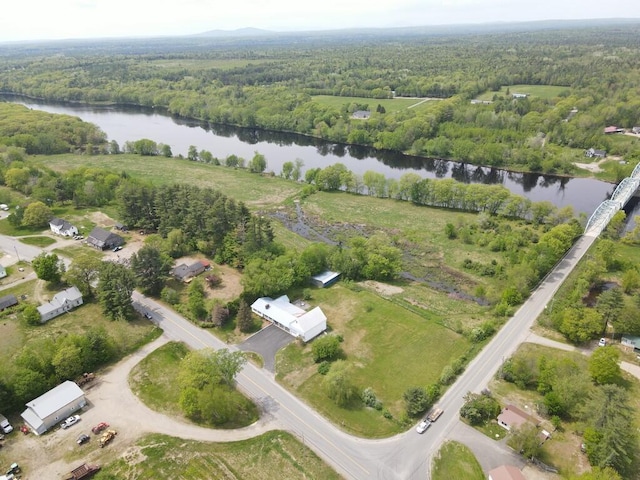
{"points": [[326, 347], [416, 400], [478, 409], [324, 367], [370, 400], [170, 296]]}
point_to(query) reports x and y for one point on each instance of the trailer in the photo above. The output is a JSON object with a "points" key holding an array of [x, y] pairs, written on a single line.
{"points": [[83, 471], [435, 414]]}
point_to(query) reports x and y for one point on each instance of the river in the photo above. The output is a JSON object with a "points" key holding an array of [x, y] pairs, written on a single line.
{"points": [[122, 123]]}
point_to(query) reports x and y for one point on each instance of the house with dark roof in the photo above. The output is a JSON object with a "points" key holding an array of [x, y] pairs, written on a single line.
{"points": [[102, 239], [184, 272], [60, 303], [513, 417], [8, 301], [53, 407], [593, 153], [62, 227]]}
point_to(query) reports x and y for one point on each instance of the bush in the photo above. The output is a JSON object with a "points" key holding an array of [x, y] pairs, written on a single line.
{"points": [[387, 414], [324, 367], [478, 409], [31, 316], [370, 400], [326, 347], [170, 296], [416, 401]]}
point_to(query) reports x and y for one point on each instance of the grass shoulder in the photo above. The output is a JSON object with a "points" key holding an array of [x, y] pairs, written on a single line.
{"points": [[455, 460], [274, 454]]}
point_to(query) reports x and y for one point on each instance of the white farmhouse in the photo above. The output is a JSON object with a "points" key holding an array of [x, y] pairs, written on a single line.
{"points": [[62, 227], [291, 318], [62, 302]]}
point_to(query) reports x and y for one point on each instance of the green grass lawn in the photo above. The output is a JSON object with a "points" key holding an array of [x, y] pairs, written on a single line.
{"points": [[380, 340], [455, 461], [155, 381], [389, 104], [542, 91], [7, 229], [38, 241], [274, 454], [237, 184]]}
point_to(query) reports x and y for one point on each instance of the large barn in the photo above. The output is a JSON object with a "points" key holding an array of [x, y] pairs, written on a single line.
{"points": [[53, 407], [290, 317]]}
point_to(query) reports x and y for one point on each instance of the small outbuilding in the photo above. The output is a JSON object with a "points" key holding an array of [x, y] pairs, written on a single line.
{"points": [[8, 301], [325, 279], [291, 318], [60, 303], [53, 407], [62, 227], [102, 239], [631, 343], [506, 472]]}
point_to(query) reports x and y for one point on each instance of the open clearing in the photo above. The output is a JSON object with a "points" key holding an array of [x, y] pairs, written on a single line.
{"points": [[389, 104], [542, 91]]}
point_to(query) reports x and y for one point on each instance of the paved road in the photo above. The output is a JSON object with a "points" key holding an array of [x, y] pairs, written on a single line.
{"points": [[406, 456]]}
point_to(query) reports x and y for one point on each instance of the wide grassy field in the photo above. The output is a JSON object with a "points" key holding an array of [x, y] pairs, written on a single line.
{"points": [[272, 455], [542, 91], [253, 189], [389, 104], [381, 339], [455, 460]]}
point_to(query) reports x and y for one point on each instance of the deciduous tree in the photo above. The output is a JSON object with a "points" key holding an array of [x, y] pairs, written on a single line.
{"points": [[83, 273], [48, 267]]}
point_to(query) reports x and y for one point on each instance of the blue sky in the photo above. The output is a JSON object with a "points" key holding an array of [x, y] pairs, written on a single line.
{"points": [[58, 19]]}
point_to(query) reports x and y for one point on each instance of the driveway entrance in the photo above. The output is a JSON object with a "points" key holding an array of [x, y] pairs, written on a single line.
{"points": [[266, 343]]}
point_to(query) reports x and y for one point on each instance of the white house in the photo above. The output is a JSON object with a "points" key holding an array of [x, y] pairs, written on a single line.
{"points": [[291, 318], [53, 407], [62, 302], [62, 227]]}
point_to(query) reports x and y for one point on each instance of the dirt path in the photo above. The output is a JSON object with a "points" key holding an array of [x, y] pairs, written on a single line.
{"points": [[111, 400]]}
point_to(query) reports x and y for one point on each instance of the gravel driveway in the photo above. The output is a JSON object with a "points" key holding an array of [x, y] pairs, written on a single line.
{"points": [[110, 400]]}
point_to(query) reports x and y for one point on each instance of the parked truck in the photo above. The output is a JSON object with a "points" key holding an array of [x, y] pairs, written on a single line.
{"points": [[5, 426], [85, 378], [83, 471], [106, 437], [435, 414]]}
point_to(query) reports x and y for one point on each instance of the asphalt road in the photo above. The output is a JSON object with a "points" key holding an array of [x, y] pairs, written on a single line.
{"points": [[406, 456]]}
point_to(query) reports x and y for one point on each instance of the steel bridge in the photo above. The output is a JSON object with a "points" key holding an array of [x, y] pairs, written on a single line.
{"points": [[607, 209]]}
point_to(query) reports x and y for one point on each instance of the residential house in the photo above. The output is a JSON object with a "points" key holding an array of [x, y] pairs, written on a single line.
{"points": [[53, 407], [62, 302], [631, 343], [62, 227], [476, 101], [290, 317], [519, 95], [102, 239], [3, 271], [184, 272], [512, 416], [8, 301], [613, 129], [361, 114], [325, 279], [593, 153], [506, 472]]}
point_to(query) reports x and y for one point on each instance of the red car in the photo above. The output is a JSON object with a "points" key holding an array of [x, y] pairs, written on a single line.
{"points": [[100, 427]]}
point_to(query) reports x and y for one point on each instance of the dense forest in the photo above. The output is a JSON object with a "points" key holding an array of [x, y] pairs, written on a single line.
{"points": [[277, 84]]}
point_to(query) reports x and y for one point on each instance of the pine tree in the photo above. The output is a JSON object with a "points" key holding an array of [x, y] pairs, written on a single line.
{"points": [[244, 319]]}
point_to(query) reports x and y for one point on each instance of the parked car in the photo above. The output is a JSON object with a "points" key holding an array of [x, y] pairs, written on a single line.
{"points": [[117, 249], [5, 426], [82, 438], [602, 342], [423, 425], [100, 427], [70, 421]]}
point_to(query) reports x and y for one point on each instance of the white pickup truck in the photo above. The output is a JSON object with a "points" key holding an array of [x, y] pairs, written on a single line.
{"points": [[5, 426]]}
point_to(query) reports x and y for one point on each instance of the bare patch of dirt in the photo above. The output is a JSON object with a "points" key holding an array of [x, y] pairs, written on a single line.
{"points": [[230, 288], [101, 219], [382, 288]]}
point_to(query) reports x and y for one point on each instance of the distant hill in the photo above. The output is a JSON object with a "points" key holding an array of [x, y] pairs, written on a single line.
{"points": [[240, 32]]}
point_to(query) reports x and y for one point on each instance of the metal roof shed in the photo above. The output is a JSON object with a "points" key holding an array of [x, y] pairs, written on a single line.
{"points": [[53, 406]]}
